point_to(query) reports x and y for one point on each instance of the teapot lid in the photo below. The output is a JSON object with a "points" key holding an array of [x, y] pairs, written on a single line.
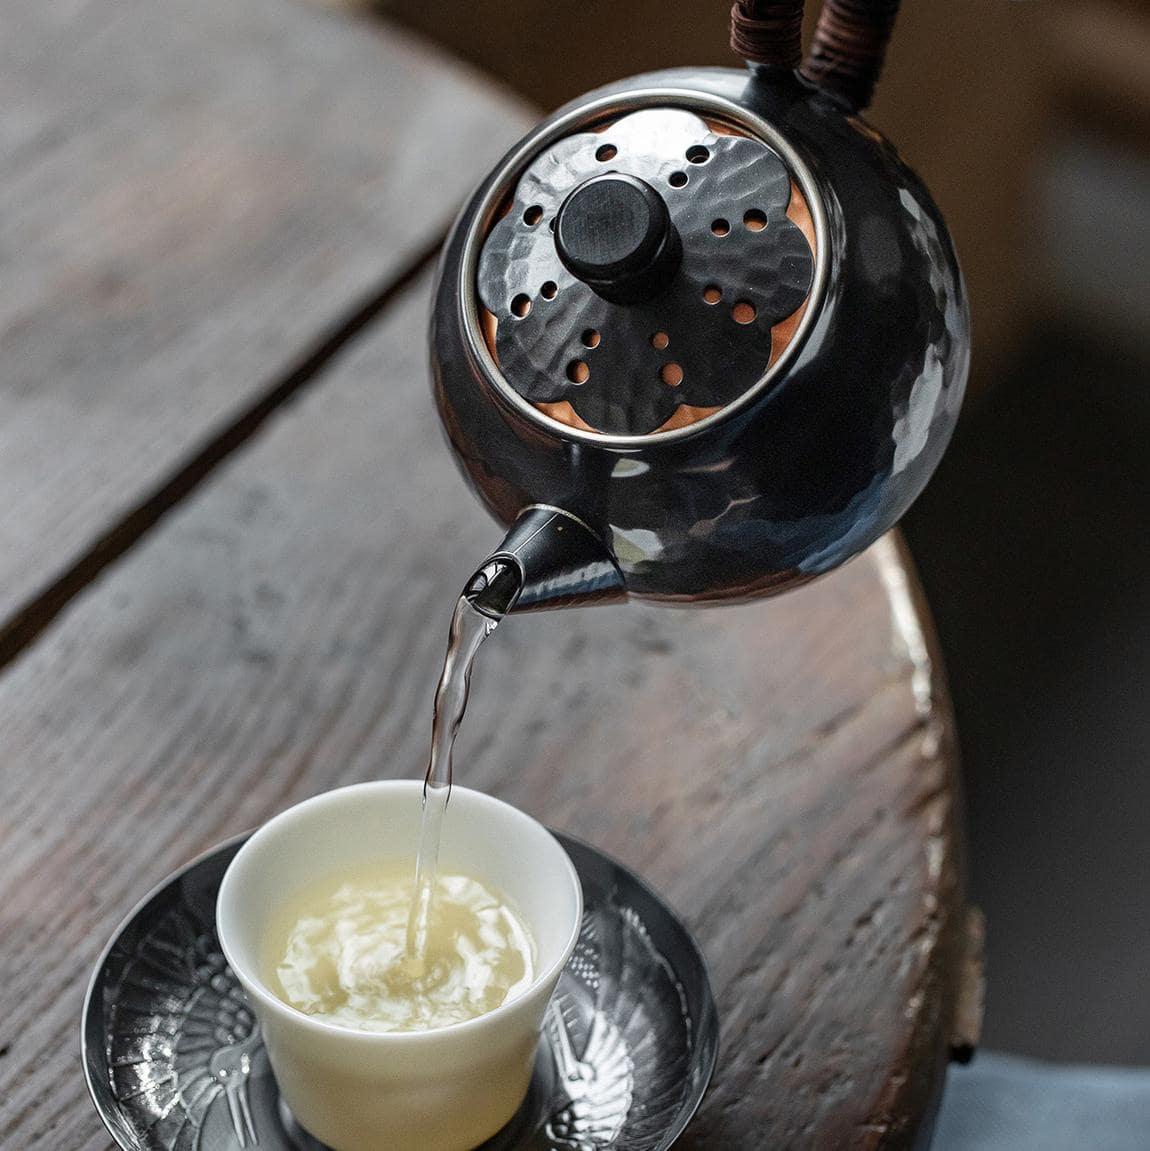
{"points": [[642, 274]]}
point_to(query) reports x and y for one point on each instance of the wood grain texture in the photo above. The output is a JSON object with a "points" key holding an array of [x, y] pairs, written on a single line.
{"points": [[193, 193], [782, 772]]}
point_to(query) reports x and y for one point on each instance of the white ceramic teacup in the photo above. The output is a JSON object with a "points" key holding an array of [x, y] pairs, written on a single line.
{"points": [[446, 1089]]}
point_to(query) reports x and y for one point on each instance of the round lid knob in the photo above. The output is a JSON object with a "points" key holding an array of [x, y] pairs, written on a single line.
{"points": [[615, 234]]}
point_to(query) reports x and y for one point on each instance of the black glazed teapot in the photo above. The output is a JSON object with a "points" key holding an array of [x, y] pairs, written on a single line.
{"points": [[701, 335]]}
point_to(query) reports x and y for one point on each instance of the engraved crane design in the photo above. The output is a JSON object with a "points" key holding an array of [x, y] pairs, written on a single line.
{"points": [[231, 1067], [184, 1058], [182, 1037], [620, 1005]]}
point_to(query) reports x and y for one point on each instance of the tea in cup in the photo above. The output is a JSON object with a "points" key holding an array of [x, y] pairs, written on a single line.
{"points": [[371, 1053]]}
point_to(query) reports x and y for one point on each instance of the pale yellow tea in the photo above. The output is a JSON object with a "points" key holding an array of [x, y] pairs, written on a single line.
{"points": [[338, 951]]}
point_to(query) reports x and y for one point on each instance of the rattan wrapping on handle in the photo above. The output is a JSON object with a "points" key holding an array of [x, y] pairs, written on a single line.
{"points": [[846, 54], [768, 31]]}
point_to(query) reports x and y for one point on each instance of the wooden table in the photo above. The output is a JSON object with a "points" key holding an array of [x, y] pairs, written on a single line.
{"points": [[226, 572]]}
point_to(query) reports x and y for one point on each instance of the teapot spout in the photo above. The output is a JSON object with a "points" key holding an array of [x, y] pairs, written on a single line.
{"points": [[550, 558]]}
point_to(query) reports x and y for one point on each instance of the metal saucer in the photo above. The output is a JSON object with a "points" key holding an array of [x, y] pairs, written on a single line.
{"points": [[174, 1061]]}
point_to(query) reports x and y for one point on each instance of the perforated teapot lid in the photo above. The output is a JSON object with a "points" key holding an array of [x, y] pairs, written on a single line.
{"points": [[646, 274]]}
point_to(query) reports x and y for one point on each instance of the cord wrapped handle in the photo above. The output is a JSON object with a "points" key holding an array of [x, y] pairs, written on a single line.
{"points": [[846, 53], [768, 31], [849, 46]]}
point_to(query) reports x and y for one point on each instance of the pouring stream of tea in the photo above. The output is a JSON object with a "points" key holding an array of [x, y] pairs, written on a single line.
{"points": [[469, 628]]}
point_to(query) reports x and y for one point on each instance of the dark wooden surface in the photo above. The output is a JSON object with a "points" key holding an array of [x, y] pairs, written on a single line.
{"points": [[194, 195], [783, 772]]}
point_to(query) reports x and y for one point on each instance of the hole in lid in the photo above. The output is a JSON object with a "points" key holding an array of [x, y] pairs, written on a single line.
{"points": [[744, 312], [712, 293], [521, 305], [671, 374], [755, 220], [677, 179], [548, 290], [590, 338], [720, 226], [606, 152], [578, 372], [660, 340], [533, 215], [697, 154]]}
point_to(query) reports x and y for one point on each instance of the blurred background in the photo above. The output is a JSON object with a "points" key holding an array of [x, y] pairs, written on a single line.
{"points": [[1030, 122]]}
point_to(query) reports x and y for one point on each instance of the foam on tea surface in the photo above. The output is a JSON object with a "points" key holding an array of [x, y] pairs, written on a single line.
{"points": [[338, 951]]}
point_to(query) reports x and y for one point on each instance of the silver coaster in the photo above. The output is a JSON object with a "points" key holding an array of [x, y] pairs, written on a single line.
{"points": [[174, 1060]]}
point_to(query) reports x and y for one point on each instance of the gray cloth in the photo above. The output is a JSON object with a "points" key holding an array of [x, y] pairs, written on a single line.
{"points": [[1004, 1103]]}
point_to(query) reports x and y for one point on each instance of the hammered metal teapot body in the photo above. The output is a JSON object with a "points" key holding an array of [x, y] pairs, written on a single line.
{"points": [[701, 336]]}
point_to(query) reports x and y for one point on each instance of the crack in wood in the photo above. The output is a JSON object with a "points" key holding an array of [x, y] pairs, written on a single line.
{"points": [[31, 619]]}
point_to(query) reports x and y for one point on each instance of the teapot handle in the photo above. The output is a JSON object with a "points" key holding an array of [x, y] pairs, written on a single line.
{"points": [[846, 54], [768, 32], [849, 45]]}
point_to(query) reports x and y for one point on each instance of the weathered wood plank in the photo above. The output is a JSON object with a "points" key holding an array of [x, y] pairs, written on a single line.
{"points": [[192, 194], [782, 771]]}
